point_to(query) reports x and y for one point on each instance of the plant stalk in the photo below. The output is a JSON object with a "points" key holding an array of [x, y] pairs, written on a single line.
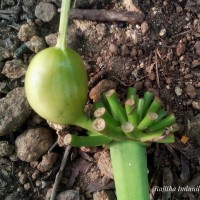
{"points": [[129, 162], [64, 13]]}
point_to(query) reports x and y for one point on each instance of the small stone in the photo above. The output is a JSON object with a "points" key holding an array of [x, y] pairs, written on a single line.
{"points": [[196, 104], [162, 32], [14, 110], [51, 39], [26, 32], [27, 186], [133, 52], [36, 174], [5, 148], [104, 195], [23, 178], [195, 63], [103, 86], [188, 76], [114, 49], [180, 49], [124, 50], [34, 164], [104, 164], [138, 85], [99, 60], [47, 161], [144, 27], [36, 44], [45, 11], [178, 91], [191, 91], [13, 157], [179, 9], [68, 195], [38, 183], [197, 48], [14, 68], [33, 143]]}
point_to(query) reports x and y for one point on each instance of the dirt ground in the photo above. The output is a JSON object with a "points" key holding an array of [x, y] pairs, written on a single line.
{"points": [[158, 51]]}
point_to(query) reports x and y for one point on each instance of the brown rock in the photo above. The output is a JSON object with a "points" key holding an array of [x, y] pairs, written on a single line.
{"points": [[124, 50], [36, 44], [104, 195], [45, 11], [47, 162], [138, 85], [14, 68], [51, 39], [68, 195], [14, 110], [5, 148], [26, 32], [104, 164], [197, 48], [103, 86], [114, 49], [180, 49], [191, 91], [196, 104], [144, 27], [33, 143]]}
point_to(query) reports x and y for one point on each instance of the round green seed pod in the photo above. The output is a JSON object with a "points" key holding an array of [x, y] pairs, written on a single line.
{"points": [[56, 85]]}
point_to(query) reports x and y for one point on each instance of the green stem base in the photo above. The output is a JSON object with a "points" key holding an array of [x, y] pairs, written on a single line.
{"points": [[129, 163]]}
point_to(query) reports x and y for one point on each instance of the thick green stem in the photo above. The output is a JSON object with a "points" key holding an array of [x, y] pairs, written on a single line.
{"points": [[129, 162], [64, 17], [88, 141]]}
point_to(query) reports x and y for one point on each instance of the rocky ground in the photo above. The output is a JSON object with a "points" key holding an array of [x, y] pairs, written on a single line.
{"points": [[158, 49]]}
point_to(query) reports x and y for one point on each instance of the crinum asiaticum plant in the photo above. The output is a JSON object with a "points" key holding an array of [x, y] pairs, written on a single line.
{"points": [[56, 87]]}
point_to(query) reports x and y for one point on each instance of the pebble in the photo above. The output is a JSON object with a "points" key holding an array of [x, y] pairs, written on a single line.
{"points": [[35, 174], [68, 195], [114, 49], [162, 32], [51, 39], [196, 104], [14, 68], [103, 86], [14, 111], [138, 85], [34, 164], [33, 143], [104, 195], [23, 178], [197, 48], [45, 11], [104, 164], [124, 50], [38, 183], [27, 186], [13, 157], [144, 27], [47, 162], [180, 49], [191, 91], [5, 148], [26, 32], [36, 44], [178, 91], [195, 63]]}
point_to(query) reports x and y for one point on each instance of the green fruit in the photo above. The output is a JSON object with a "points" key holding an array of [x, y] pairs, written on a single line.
{"points": [[56, 85]]}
